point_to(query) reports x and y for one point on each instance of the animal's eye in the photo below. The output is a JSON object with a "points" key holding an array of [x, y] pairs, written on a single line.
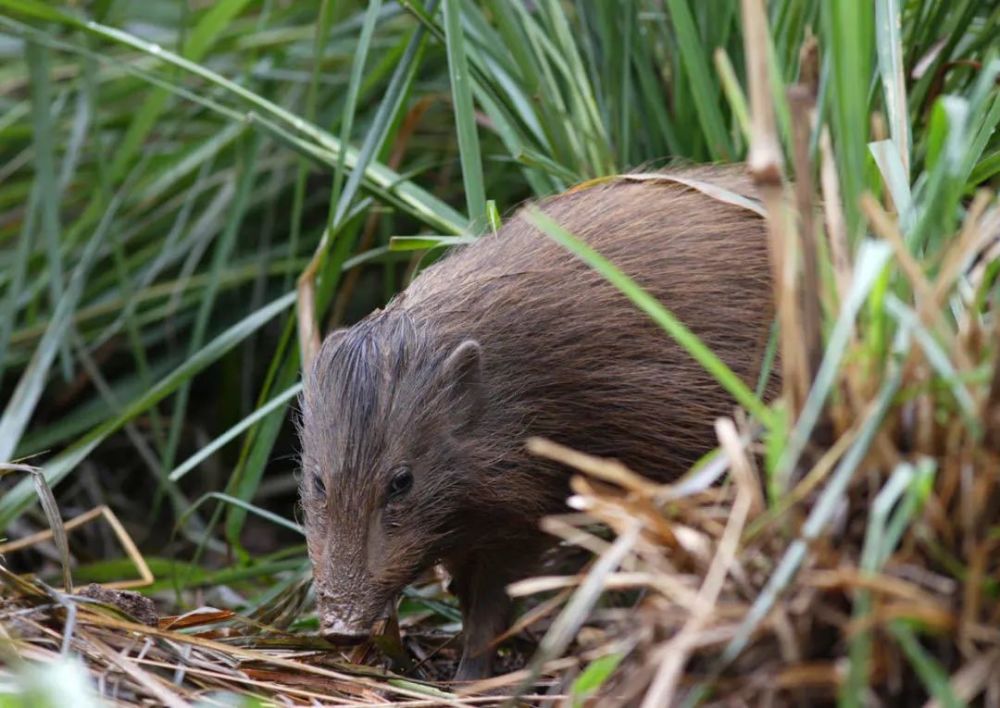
{"points": [[318, 485], [400, 483]]}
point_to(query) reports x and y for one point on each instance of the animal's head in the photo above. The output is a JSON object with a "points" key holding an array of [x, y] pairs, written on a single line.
{"points": [[387, 426]]}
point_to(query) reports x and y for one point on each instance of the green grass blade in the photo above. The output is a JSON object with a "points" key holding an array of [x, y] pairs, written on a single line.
{"points": [[17, 499], [585, 110], [29, 388], [847, 32], [939, 360], [986, 169], [353, 88], [593, 677], [382, 122], [947, 139], [931, 673], [871, 261], [45, 173], [256, 455], [423, 243], [889, 45], [890, 164], [878, 545], [200, 40], [8, 315], [218, 443], [220, 258], [703, 89], [276, 519], [733, 92], [985, 116], [314, 140], [465, 122]]}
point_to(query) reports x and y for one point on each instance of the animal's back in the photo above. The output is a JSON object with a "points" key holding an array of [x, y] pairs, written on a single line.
{"points": [[567, 356]]}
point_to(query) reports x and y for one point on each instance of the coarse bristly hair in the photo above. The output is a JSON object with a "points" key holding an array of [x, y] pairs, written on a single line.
{"points": [[413, 420]]}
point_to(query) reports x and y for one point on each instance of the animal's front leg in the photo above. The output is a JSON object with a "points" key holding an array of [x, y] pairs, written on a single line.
{"points": [[486, 610]]}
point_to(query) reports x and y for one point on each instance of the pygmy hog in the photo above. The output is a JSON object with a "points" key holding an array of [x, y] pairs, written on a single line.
{"points": [[414, 420]]}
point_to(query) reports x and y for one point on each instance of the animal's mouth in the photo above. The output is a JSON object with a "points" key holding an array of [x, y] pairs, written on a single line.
{"points": [[342, 633], [349, 633]]}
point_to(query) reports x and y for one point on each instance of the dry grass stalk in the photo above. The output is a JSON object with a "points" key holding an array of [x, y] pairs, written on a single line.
{"points": [[934, 573], [103, 511], [675, 653], [740, 466], [185, 657], [932, 316], [833, 211], [765, 163], [602, 469], [802, 103]]}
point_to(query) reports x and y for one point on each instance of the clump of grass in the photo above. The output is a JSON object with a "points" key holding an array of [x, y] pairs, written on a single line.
{"points": [[865, 573], [208, 656]]}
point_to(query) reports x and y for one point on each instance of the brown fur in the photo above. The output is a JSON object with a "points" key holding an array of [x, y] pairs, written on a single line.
{"points": [[510, 337]]}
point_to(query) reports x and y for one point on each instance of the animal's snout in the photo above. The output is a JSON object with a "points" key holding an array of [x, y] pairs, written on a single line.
{"points": [[343, 621], [341, 634]]}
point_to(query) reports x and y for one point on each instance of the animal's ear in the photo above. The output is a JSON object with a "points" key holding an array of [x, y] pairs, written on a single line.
{"points": [[463, 382]]}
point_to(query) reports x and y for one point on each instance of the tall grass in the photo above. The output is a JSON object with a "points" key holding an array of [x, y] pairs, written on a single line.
{"points": [[168, 170]]}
